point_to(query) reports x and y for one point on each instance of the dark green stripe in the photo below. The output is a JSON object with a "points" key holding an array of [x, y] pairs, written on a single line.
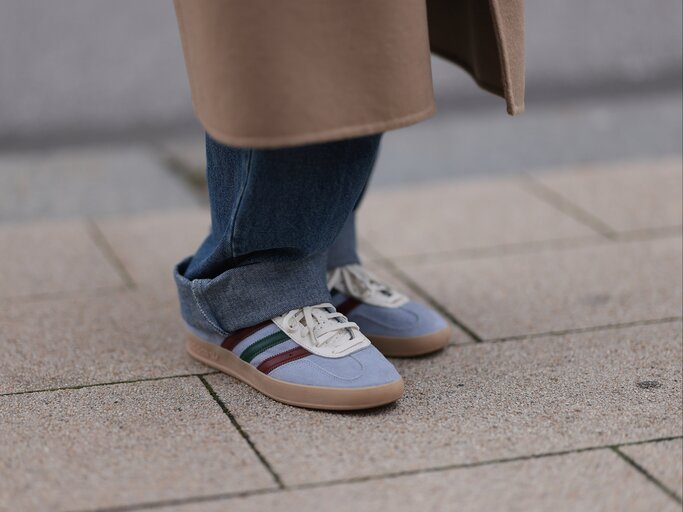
{"points": [[269, 341]]}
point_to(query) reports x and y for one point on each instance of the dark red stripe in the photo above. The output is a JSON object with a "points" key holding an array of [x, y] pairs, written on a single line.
{"points": [[271, 363], [231, 341], [347, 306]]}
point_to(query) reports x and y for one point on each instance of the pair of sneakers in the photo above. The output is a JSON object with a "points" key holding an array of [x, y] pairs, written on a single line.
{"points": [[331, 355]]}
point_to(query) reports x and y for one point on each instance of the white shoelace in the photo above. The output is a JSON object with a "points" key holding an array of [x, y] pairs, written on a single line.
{"points": [[358, 282], [322, 325]]}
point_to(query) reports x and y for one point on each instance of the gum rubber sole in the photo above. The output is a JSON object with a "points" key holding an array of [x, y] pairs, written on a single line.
{"points": [[394, 346], [309, 397]]}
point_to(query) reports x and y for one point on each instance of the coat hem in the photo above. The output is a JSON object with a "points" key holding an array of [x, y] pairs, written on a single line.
{"points": [[345, 132]]}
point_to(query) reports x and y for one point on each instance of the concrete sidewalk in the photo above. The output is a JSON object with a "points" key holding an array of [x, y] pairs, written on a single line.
{"points": [[561, 390]]}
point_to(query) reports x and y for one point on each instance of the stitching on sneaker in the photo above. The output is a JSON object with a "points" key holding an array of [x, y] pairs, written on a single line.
{"points": [[324, 372]]}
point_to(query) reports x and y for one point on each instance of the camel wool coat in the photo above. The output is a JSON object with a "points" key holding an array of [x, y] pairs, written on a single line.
{"points": [[271, 73]]}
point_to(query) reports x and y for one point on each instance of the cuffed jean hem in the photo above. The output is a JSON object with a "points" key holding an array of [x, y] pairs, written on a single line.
{"points": [[343, 250], [247, 295]]}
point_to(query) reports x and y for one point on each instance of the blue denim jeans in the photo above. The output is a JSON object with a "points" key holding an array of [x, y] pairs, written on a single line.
{"points": [[279, 219]]}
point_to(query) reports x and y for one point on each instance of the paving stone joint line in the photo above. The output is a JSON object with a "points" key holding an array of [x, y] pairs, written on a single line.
{"points": [[243, 433], [534, 246], [177, 168], [109, 383], [109, 253], [565, 206], [368, 478], [65, 295], [581, 330], [647, 474], [648, 234]]}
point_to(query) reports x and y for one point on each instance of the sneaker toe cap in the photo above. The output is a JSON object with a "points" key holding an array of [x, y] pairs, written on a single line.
{"points": [[410, 320], [365, 368]]}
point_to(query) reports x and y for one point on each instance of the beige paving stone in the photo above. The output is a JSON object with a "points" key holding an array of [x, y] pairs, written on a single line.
{"points": [[118, 445], [92, 181], [482, 402], [150, 245], [663, 460], [626, 196], [458, 336], [597, 481], [456, 216], [557, 290], [52, 257], [189, 152], [85, 340]]}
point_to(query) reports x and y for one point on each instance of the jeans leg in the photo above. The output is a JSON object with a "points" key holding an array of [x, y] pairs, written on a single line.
{"points": [[343, 250], [274, 215]]}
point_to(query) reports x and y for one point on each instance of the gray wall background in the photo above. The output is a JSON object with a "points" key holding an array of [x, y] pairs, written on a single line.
{"points": [[76, 70]]}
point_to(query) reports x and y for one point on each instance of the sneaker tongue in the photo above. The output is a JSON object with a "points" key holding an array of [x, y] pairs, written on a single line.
{"points": [[356, 281]]}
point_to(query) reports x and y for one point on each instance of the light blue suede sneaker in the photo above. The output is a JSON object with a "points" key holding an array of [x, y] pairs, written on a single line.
{"points": [[311, 357], [396, 325]]}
